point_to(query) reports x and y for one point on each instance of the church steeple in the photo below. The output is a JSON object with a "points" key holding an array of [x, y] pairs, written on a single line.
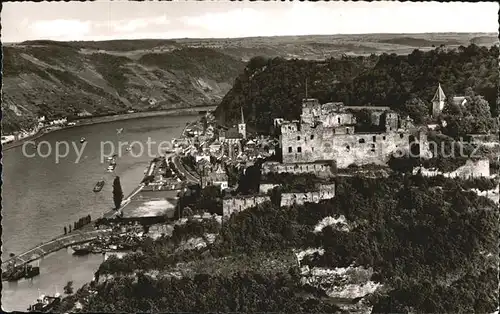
{"points": [[439, 95], [438, 102], [242, 127]]}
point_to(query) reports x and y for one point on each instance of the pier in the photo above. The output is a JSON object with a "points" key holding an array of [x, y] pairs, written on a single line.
{"points": [[61, 242]]}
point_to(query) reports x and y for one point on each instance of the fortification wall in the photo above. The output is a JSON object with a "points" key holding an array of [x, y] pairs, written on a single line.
{"points": [[317, 168], [337, 119], [471, 169], [288, 199], [266, 187], [238, 204], [313, 144]]}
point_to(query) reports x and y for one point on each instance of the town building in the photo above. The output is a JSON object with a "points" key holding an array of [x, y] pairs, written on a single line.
{"points": [[217, 177], [459, 100]]}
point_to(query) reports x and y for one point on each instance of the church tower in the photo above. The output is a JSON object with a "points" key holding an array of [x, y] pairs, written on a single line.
{"points": [[242, 127], [438, 102]]}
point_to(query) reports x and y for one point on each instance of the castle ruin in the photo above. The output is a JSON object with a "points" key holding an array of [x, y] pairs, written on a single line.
{"points": [[328, 132]]}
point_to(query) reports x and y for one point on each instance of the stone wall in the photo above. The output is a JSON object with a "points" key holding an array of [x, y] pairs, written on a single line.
{"points": [[266, 187], [302, 144], [471, 169], [320, 169], [238, 204], [325, 192]]}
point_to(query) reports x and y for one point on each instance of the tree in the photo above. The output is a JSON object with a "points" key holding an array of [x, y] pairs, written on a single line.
{"points": [[479, 110], [416, 109], [117, 193], [68, 288], [65, 230]]}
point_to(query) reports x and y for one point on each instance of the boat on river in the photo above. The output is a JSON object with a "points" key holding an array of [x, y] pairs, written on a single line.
{"points": [[13, 274], [19, 272], [45, 303], [31, 271], [111, 168], [83, 140], [99, 185], [81, 249]]}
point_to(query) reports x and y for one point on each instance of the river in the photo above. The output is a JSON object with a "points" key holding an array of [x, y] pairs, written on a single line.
{"points": [[40, 196]]}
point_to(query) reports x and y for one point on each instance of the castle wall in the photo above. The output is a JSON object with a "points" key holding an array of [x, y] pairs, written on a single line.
{"points": [[313, 144], [375, 117], [288, 199], [471, 169], [238, 204], [317, 168], [337, 119], [266, 187]]}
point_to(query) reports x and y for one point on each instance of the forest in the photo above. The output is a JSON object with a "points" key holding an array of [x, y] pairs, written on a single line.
{"points": [[274, 88], [431, 244]]}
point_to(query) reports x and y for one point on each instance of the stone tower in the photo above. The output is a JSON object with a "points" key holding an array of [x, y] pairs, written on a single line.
{"points": [[391, 121], [242, 127], [438, 102]]}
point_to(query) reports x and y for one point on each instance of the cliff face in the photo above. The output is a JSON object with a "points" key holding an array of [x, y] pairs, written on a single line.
{"points": [[63, 79]]}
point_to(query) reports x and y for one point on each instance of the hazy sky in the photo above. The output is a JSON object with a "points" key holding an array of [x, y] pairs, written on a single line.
{"points": [[104, 20]]}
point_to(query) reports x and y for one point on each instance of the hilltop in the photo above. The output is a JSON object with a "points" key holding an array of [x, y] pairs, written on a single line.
{"points": [[274, 87], [65, 78], [54, 79]]}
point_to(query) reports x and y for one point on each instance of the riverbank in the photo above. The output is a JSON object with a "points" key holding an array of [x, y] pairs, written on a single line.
{"points": [[88, 232], [111, 118]]}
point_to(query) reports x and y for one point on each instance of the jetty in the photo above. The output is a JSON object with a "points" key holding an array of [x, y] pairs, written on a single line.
{"points": [[76, 237]]}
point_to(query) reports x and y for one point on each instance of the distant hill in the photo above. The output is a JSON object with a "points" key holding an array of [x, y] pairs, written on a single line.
{"points": [[63, 79], [52, 78]]}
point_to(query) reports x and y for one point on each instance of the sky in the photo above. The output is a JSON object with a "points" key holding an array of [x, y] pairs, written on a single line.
{"points": [[105, 20]]}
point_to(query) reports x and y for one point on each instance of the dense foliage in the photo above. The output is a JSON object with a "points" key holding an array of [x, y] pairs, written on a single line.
{"points": [[426, 238], [274, 89], [415, 234], [199, 201], [241, 293]]}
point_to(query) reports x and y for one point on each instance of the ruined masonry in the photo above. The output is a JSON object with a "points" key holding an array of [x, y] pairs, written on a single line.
{"points": [[327, 132]]}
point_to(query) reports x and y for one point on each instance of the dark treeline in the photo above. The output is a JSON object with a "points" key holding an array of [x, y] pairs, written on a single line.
{"points": [[198, 201], [78, 224], [240, 293], [274, 88]]}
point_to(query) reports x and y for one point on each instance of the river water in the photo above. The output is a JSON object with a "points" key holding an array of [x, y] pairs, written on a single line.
{"points": [[41, 195]]}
